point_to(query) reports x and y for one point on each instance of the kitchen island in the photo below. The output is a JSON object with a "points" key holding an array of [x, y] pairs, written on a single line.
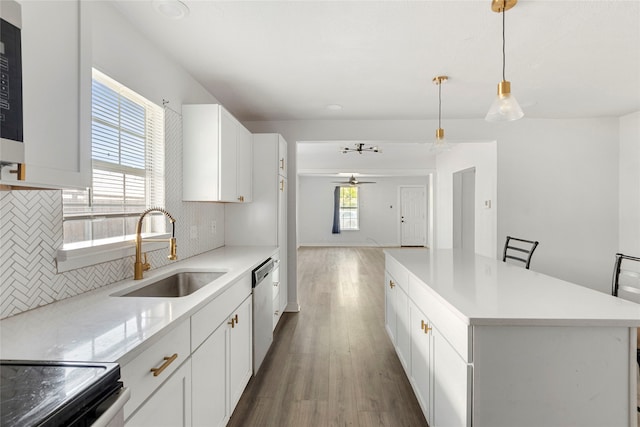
{"points": [[486, 343]]}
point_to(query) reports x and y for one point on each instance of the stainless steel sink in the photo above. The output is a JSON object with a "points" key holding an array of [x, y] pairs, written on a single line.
{"points": [[178, 285]]}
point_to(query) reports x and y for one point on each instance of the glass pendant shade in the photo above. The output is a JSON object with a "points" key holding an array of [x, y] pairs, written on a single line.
{"points": [[505, 107], [440, 144]]}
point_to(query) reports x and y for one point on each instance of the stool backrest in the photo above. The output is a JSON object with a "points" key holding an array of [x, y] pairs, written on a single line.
{"points": [[519, 250], [626, 278]]}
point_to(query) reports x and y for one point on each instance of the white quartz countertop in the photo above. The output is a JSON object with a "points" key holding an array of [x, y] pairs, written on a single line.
{"points": [[485, 291], [99, 327]]}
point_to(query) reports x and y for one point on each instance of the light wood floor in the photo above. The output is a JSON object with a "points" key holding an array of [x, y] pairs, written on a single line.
{"points": [[332, 364]]}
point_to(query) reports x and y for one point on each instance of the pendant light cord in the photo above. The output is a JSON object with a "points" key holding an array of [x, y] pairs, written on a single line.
{"points": [[503, 44]]}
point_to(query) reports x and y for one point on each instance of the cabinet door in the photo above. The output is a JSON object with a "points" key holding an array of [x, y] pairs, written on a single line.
{"points": [[56, 82], [170, 405], [240, 355], [227, 163], [244, 163], [390, 307], [421, 358], [282, 156], [403, 338], [452, 385], [209, 380]]}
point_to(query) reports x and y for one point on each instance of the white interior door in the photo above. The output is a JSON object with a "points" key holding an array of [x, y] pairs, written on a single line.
{"points": [[464, 188], [413, 218]]}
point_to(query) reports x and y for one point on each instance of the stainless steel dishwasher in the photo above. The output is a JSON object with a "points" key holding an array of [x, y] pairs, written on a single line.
{"points": [[262, 312]]}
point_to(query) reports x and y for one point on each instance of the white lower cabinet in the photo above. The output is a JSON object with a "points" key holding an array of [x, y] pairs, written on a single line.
{"points": [[421, 358], [451, 386], [240, 352], [441, 378], [403, 339], [210, 385], [202, 366], [389, 307], [170, 405]]}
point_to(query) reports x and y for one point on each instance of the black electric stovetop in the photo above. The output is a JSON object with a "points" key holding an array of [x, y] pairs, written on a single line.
{"points": [[34, 393]]}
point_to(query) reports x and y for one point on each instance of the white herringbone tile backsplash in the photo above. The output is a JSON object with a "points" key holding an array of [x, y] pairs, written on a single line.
{"points": [[31, 232]]}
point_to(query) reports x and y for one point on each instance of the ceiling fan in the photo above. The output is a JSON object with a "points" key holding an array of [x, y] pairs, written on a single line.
{"points": [[360, 148], [354, 181]]}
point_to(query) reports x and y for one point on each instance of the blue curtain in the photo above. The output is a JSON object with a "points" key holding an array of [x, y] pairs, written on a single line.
{"points": [[336, 211]]}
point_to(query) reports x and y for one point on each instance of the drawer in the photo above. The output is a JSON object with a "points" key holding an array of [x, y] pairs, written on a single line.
{"points": [[137, 375], [452, 328], [398, 273], [207, 319]]}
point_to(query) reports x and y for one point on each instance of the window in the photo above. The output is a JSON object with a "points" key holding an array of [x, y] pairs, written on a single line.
{"points": [[349, 208], [127, 151]]}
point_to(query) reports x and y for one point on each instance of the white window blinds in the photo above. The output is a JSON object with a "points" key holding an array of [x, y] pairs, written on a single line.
{"points": [[127, 146]]}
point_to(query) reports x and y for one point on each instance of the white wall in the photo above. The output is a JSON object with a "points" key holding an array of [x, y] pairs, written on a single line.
{"points": [[379, 212], [629, 227], [122, 53], [482, 156], [557, 182]]}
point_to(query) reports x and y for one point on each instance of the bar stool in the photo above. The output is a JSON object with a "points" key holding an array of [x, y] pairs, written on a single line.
{"points": [[626, 284], [523, 248]]}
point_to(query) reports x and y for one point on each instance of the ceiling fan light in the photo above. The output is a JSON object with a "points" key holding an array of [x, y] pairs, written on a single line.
{"points": [[505, 107]]}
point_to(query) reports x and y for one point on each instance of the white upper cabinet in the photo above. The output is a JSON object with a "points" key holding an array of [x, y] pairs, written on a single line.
{"points": [[282, 157], [56, 87], [216, 155]]}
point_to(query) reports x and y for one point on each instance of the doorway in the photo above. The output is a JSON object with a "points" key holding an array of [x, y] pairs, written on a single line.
{"points": [[413, 218], [464, 189]]}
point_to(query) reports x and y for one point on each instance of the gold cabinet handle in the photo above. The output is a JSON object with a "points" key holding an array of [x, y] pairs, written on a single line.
{"points": [[422, 324], [276, 313], [282, 185], [425, 327], [282, 163], [167, 361], [236, 318], [391, 284], [276, 284], [232, 322], [241, 198]]}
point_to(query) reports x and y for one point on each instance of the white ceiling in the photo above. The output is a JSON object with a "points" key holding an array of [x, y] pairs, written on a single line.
{"points": [[287, 60]]}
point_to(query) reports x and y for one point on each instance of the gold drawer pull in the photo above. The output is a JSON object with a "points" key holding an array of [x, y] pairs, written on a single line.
{"points": [[282, 164], [282, 185], [167, 362], [391, 284]]}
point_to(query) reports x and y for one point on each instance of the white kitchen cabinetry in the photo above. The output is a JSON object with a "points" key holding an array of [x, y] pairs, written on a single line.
{"points": [[147, 374], [240, 351], [210, 386], [440, 377], [56, 103], [421, 332], [170, 406], [397, 313], [202, 366], [264, 222], [216, 155], [505, 346], [222, 357]]}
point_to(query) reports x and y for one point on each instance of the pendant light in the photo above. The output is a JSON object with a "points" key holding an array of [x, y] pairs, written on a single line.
{"points": [[440, 143], [505, 107]]}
